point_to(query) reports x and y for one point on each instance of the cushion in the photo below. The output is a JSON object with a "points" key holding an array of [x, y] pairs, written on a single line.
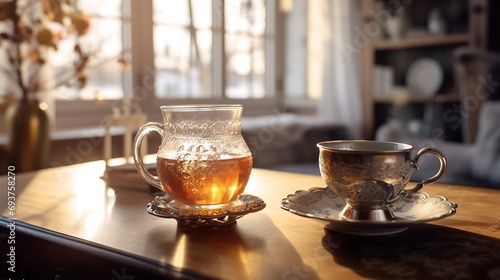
{"points": [[287, 138], [486, 158], [457, 154]]}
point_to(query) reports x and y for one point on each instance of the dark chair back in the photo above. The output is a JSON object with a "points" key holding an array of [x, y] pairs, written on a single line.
{"points": [[478, 79]]}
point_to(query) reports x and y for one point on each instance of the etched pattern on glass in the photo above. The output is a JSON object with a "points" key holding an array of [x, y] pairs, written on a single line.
{"points": [[195, 165], [203, 129]]}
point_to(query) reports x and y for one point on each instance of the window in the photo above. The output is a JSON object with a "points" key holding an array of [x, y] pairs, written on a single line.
{"points": [[199, 50], [170, 50]]}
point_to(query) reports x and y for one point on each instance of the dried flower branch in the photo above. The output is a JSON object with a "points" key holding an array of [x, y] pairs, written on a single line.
{"points": [[36, 29]]}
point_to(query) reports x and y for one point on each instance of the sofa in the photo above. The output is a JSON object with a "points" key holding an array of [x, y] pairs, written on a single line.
{"points": [[475, 164], [287, 142]]}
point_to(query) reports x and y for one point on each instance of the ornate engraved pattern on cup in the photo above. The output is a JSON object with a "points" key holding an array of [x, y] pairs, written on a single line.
{"points": [[195, 165], [347, 173], [200, 128]]}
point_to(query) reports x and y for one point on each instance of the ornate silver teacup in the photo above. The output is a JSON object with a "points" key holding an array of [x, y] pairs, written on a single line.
{"points": [[370, 175]]}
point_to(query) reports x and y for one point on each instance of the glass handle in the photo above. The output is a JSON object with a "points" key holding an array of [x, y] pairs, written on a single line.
{"points": [[141, 168]]}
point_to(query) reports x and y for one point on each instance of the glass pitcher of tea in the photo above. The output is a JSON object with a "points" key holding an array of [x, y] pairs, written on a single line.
{"points": [[203, 158]]}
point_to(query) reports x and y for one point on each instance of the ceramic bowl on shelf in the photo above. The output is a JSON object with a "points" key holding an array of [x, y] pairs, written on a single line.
{"points": [[424, 77]]}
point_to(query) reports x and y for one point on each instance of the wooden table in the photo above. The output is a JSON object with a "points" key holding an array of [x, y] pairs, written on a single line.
{"points": [[68, 222]]}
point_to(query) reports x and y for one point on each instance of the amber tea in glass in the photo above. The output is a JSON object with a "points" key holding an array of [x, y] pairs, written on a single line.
{"points": [[204, 182], [203, 158]]}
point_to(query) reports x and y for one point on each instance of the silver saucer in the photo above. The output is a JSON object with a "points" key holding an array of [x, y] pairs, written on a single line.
{"points": [[205, 216], [324, 204]]}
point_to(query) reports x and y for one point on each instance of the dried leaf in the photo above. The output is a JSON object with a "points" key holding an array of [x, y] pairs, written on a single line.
{"points": [[78, 49], [81, 78], [34, 55], [123, 62], [80, 22], [45, 37], [25, 32]]}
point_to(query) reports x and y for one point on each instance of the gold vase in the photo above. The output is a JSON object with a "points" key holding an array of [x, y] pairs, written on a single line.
{"points": [[29, 139]]}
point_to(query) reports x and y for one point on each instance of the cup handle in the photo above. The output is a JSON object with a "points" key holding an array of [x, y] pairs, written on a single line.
{"points": [[437, 176], [146, 175]]}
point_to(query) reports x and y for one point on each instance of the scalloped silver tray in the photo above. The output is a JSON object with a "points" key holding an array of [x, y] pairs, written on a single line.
{"points": [[205, 216], [324, 204]]}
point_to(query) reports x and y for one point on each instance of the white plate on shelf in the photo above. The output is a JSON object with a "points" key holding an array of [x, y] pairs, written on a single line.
{"points": [[424, 76]]}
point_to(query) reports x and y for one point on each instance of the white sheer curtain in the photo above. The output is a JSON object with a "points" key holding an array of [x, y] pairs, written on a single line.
{"points": [[337, 73]]}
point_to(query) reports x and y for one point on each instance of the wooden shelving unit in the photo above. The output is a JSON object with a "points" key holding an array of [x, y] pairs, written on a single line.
{"points": [[426, 41], [421, 45], [444, 97]]}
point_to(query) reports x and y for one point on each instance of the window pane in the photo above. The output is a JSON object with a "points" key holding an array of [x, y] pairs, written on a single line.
{"points": [[104, 39], [183, 56], [173, 12], [202, 14], [103, 46], [101, 8], [104, 72], [296, 38], [247, 16], [182, 65], [245, 67], [245, 49], [172, 53]]}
